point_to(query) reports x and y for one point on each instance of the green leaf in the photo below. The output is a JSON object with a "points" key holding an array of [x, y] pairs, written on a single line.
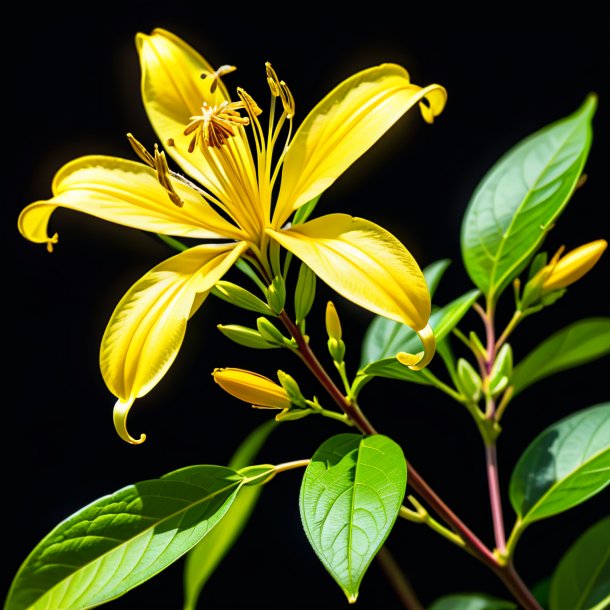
{"points": [[204, 558], [350, 497], [582, 578], [519, 199], [565, 465], [576, 344], [122, 540], [385, 338], [434, 273], [471, 601]]}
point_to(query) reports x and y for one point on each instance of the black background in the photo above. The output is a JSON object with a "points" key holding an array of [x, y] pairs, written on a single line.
{"points": [[71, 87]]}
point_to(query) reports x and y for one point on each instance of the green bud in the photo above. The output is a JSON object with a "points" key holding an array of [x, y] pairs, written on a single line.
{"points": [[503, 366], [232, 293], [248, 337], [276, 294], [498, 385], [292, 389], [269, 332], [540, 260], [469, 381], [304, 293], [336, 348]]}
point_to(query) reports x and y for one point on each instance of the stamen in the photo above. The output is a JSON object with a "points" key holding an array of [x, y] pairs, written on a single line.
{"points": [[163, 174], [252, 108], [51, 241], [217, 74], [141, 151], [287, 100], [272, 80], [215, 125]]}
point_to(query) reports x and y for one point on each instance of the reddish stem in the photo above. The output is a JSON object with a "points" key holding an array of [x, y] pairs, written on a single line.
{"points": [[506, 573], [495, 496]]}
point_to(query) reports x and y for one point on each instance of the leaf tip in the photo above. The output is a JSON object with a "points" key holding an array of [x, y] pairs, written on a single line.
{"points": [[589, 106]]}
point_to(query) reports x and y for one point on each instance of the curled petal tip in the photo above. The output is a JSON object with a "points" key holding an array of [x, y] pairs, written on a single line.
{"points": [[417, 362], [119, 415]]}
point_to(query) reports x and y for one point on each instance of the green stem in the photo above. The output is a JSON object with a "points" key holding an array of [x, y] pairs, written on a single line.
{"points": [[421, 515], [510, 327], [284, 466]]}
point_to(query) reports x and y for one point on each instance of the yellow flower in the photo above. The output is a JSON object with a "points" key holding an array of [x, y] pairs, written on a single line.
{"points": [[252, 388], [243, 185], [565, 270]]}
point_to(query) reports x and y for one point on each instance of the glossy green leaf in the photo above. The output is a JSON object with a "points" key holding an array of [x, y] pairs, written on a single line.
{"points": [[582, 578], [520, 198], [572, 346], [205, 557], [471, 601], [565, 465], [386, 338], [123, 539], [350, 497]]}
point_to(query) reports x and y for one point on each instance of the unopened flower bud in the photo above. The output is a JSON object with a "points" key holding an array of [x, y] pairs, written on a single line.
{"points": [[252, 388], [333, 325], [571, 267]]}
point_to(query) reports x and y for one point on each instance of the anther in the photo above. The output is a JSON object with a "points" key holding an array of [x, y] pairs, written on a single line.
{"points": [[272, 80], [287, 99], [51, 241], [141, 151], [163, 176], [217, 74], [215, 125], [251, 106]]}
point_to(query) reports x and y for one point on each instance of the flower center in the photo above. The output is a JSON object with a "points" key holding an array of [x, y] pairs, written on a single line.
{"points": [[215, 125]]}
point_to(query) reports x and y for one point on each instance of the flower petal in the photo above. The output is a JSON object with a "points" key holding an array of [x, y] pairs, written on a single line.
{"points": [[127, 193], [173, 91], [344, 125], [148, 325], [364, 263]]}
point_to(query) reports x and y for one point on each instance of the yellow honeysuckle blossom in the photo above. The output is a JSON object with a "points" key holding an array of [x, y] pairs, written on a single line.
{"points": [[243, 185], [255, 389]]}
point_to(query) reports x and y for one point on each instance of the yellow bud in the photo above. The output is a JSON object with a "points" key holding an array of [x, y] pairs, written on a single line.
{"points": [[253, 388], [333, 325], [572, 266]]}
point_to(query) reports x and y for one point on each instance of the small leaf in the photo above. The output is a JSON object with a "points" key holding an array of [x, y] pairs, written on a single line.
{"points": [[564, 466], [122, 540], [471, 601], [385, 338], [519, 199], [248, 337], [434, 273], [204, 558], [350, 497], [582, 579], [576, 344]]}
